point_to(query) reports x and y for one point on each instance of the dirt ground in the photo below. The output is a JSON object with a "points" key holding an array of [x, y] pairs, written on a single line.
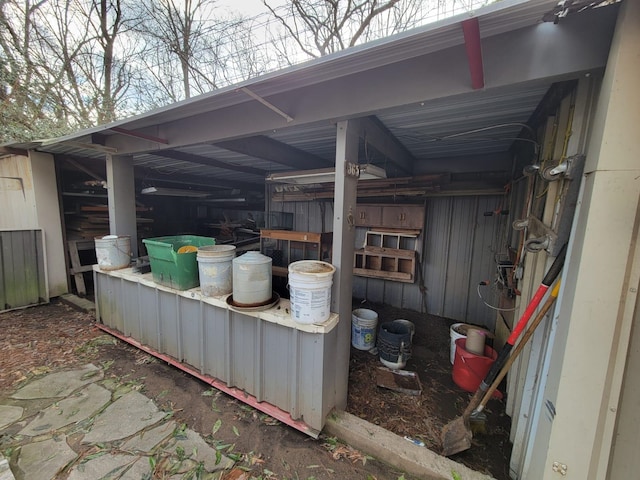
{"points": [[422, 417], [40, 339]]}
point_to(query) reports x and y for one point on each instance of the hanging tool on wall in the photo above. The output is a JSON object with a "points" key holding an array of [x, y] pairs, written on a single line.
{"points": [[477, 418], [456, 435]]}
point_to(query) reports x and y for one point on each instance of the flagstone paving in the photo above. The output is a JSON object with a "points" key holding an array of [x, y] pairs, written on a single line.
{"points": [[59, 384], [92, 428]]}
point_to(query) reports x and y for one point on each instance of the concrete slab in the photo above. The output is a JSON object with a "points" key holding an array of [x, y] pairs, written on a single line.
{"points": [[140, 469], [59, 384], [394, 450], [9, 414], [194, 447], [5, 471], [124, 417], [146, 441], [75, 408], [105, 467], [43, 460], [79, 303]]}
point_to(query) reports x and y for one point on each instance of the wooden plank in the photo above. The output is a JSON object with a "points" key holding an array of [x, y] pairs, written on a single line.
{"points": [[291, 235], [396, 276], [388, 252], [75, 266]]}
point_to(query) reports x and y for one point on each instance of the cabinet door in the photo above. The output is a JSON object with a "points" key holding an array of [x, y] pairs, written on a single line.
{"points": [[369, 216], [403, 216]]}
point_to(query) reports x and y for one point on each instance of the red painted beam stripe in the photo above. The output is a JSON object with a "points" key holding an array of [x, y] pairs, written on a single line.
{"points": [[471, 31], [244, 397]]}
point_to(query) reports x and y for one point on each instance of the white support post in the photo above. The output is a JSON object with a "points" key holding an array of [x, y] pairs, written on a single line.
{"points": [[579, 415], [122, 198], [345, 196]]}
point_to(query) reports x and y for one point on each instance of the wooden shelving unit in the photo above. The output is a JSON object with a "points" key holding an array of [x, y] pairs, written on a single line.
{"points": [[285, 247], [387, 255]]}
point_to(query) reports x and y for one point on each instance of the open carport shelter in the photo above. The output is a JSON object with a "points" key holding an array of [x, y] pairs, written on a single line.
{"points": [[452, 112]]}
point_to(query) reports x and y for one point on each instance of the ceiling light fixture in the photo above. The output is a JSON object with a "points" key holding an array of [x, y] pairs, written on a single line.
{"points": [[174, 192], [327, 175]]}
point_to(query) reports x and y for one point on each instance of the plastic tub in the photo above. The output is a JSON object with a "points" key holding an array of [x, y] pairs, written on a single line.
{"points": [[173, 269]]}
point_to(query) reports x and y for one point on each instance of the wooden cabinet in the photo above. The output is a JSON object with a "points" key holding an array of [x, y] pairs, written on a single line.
{"points": [[387, 255], [368, 215], [390, 216], [285, 247]]}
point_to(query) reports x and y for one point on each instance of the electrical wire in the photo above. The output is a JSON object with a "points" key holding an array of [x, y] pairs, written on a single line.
{"points": [[493, 307]]}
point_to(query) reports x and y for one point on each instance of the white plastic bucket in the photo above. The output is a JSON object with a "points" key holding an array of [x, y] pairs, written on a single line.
{"points": [[113, 252], [252, 280], [364, 323], [455, 335], [215, 270], [310, 290]]}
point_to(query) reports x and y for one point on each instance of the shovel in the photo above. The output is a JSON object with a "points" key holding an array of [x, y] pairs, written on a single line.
{"points": [[477, 418], [456, 435]]}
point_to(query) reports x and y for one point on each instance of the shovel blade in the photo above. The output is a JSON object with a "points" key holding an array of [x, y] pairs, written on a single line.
{"points": [[456, 437]]}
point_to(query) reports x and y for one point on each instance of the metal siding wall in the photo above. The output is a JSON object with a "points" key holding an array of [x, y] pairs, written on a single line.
{"points": [[22, 271], [456, 251], [272, 362], [435, 258], [459, 258]]}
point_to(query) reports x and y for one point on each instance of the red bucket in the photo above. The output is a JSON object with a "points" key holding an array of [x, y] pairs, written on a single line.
{"points": [[470, 369]]}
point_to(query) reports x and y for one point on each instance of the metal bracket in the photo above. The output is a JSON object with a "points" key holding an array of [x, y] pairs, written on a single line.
{"points": [[567, 169], [552, 238], [542, 237]]}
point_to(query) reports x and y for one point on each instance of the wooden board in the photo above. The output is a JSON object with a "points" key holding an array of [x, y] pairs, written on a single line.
{"points": [[403, 381]]}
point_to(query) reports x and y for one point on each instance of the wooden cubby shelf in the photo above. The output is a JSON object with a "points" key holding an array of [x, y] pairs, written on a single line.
{"points": [[382, 257]]}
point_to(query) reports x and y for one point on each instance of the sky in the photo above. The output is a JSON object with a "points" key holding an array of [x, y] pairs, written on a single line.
{"points": [[247, 7]]}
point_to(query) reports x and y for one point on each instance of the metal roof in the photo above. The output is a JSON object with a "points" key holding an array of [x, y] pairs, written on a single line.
{"points": [[437, 127]]}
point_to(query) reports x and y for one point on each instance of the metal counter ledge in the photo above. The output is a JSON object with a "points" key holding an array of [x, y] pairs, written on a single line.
{"points": [[263, 358]]}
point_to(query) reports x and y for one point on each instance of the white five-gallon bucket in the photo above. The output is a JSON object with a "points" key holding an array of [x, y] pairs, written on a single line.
{"points": [[113, 252], [455, 332], [215, 270], [310, 290], [364, 323]]}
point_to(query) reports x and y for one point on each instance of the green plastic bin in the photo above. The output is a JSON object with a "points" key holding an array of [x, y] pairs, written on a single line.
{"points": [[172, 269]]}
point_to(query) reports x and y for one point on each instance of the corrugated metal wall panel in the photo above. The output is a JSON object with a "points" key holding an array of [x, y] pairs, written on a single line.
{"points": [[435, 258], [273, 362], [459, 258], [457, 250], [22, 269]]}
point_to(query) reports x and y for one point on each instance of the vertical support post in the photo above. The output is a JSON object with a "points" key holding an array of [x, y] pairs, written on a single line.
{"points": [[122, 198], [347, 142]]}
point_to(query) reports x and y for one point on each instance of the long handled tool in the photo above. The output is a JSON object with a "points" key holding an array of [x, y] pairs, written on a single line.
{"points": [[456, 435], [477, 418]]}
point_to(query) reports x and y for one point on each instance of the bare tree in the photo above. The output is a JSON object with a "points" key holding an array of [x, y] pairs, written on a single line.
{"points": [[192, 49], [320, 27]]}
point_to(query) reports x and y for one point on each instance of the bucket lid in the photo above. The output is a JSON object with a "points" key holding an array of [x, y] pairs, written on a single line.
{"points": [[312, 267], [216, 249], [252, 258]]}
